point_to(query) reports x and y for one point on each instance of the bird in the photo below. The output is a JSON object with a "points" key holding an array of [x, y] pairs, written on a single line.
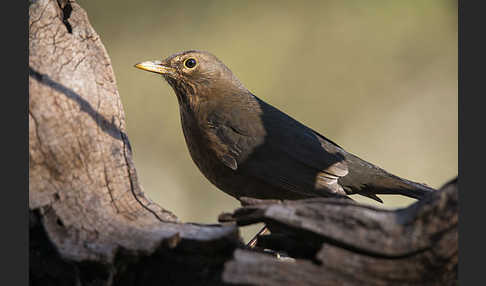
{"points": [[250, 149]]}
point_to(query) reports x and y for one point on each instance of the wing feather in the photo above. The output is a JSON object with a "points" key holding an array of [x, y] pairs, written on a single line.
{"points": [[283, 152]]}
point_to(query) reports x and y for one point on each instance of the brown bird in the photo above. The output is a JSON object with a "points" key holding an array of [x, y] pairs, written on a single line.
{"points": [[248, 148]]}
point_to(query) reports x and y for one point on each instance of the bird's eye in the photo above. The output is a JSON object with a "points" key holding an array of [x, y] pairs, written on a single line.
{"points": [[190, 63]]}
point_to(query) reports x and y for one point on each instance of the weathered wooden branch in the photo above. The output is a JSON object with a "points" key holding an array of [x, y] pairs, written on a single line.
{"points": [[344, 243], [91, 224]]}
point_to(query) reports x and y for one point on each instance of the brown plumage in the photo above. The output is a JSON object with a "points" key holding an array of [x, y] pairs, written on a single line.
{"points": [[248, 148]]}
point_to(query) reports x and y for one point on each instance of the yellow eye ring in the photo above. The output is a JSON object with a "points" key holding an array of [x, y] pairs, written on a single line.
{"points": [[190, 63]]}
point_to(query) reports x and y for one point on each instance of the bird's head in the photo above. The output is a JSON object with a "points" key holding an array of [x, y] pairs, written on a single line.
{"points": [[195, 75]]}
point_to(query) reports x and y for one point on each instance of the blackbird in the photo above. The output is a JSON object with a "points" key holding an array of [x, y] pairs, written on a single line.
{"points": [[248, 148]]}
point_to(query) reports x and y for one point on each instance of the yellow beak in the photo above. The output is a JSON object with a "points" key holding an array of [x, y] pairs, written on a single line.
{"points": [[156, 67]]}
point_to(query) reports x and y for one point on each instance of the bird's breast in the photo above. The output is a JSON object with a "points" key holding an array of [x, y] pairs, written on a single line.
{"points": [[203, 150]]}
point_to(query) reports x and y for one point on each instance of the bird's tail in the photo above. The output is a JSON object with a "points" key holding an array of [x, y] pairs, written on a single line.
{"points": [[395, 185], [367, 179]]}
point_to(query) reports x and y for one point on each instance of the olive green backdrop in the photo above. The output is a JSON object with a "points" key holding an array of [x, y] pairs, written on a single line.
{"points": [[377, 77]]}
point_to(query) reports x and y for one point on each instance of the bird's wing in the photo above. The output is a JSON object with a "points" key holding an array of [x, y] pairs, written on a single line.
{"points": [[275, 148], [233, 134]]}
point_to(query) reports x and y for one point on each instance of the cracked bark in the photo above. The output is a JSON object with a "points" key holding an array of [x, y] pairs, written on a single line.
{"points": [[91, 224], [353, 244]]}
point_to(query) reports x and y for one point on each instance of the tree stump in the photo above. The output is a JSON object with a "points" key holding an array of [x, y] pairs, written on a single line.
{"points": [[91, 224]]}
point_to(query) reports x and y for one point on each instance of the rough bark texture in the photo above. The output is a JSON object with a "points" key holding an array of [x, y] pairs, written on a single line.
{"points": [[339, 242], [91, 224]]}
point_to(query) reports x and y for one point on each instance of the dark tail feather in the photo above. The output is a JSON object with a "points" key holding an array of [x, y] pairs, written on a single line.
{"points": [[372, 196], [392, 185], [405, 187], [368, 180]]}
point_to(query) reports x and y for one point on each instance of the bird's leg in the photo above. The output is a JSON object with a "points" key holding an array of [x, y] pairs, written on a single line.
{"points": [[254, 240], [248, 201]]}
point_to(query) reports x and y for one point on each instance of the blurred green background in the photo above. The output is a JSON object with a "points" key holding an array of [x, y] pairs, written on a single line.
{"points": [[377, 77]]}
